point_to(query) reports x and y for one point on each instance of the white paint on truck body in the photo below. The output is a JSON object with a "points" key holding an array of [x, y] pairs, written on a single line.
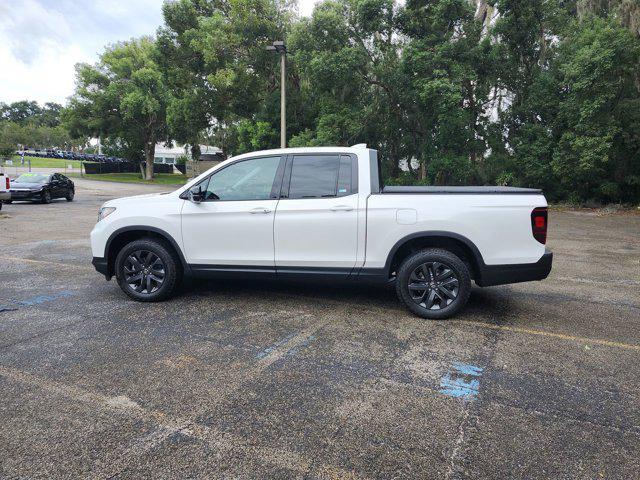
{"points": [[357, 230]]}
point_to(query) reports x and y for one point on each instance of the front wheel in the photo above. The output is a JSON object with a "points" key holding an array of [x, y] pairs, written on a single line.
{"points": [[45, 197], [433, 283], [147, 270]]}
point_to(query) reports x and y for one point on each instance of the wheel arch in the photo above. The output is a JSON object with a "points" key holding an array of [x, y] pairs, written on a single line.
{"points": [[124, 235], [453, 242]]}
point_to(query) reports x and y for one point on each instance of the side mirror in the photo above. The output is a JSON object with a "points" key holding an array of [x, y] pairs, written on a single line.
{"points": [[195, 197]]}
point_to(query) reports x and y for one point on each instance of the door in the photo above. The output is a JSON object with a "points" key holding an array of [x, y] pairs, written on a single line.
{"points": [[56, 186], [233, 224], [316, 222], [65, 185]]}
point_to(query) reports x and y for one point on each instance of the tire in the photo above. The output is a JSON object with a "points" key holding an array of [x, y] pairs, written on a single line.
{"points": [[45, 197], [8, 202], [70, 195], [446, 280], [134, 257]]}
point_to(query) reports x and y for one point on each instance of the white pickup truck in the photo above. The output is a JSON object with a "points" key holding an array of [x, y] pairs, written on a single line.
{"points": [[323, 213]]}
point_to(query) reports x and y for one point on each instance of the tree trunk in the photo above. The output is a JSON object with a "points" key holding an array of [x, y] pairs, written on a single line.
{"points": [[195, 151], [149, 154]]}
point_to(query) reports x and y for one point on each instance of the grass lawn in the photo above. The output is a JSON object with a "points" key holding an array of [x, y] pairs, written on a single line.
{"points": [[46, 162], [159, 179]]}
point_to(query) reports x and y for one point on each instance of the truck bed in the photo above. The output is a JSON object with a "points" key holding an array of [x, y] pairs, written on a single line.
{"points": [[434, 190]]}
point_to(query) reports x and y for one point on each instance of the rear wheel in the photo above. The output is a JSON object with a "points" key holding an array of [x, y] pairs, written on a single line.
{"points": [[433, 283], [147, 270], [70, 194]]}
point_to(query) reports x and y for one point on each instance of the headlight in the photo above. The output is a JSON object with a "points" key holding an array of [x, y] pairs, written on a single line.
{"points": [[104, 212]]}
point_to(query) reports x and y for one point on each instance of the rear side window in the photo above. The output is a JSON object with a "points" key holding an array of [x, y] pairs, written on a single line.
{"points": [[321, 176], [314, 176]]}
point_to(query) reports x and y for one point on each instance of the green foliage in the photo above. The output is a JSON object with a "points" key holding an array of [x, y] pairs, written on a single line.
{"points": [[546, 96], [182, 159], [255, 136], [27, 112], [123, 98], [598, 153]]}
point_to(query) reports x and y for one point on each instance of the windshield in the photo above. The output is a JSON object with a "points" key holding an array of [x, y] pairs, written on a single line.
{"points": [[32, 178]]}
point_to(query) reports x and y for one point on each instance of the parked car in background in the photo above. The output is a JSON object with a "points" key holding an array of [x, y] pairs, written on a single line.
{"points": [[323, 213], [5, 187], [41, 187]]}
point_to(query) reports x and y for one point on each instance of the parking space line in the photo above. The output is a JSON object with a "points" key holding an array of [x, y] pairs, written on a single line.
{"points": [[167, 426], [546, 333]]}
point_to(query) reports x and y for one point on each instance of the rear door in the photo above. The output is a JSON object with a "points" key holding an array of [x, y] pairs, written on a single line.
{"points": [[56, 186], [316, 221]]}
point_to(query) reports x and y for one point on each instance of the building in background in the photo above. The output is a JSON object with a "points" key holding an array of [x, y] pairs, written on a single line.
{"points": [[169, 155]]}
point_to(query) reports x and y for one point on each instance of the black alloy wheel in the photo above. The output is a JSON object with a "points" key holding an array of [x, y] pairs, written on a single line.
{"points": [[433, 283], [148, 270], [70, 194], [144, 272]]}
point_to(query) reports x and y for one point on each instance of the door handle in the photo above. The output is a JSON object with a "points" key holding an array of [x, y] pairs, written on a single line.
{"points": [[259, 210], [341, 208]]}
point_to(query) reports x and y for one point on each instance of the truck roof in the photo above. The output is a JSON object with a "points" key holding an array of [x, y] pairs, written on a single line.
{"points": [[280, 151]]}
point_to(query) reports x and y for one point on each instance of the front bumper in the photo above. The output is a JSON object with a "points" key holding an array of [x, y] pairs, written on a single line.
{"points": [[102, 266], [26, 195], [526, 272]]}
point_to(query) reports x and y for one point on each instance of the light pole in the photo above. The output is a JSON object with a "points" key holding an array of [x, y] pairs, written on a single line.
{"points": [[279, 47]]}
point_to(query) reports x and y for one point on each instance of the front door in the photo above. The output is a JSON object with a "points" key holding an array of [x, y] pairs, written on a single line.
{"points": [[233, 224], [316, 223]]}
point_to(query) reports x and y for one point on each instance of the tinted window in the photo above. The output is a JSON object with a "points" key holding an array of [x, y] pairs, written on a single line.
{"points": [[314, 176], [245, 180]]}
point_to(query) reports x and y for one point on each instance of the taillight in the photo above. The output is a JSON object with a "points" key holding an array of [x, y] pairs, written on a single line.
{"points": [[8, 183], [539, 218]]}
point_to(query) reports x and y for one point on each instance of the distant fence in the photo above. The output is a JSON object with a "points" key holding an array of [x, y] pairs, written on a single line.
{"points": [[96, 168]]}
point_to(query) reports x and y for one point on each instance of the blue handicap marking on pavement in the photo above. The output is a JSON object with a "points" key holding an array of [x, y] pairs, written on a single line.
{"points": [[276, 345], [44, 298], [467, 369], [462, 382], [305, 343]]}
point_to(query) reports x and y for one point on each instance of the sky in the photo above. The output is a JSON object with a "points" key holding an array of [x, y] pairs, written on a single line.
{"points": [[42, 40]]}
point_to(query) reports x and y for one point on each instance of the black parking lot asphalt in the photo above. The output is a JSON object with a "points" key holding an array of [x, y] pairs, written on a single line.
{"points": [[260, 380]]}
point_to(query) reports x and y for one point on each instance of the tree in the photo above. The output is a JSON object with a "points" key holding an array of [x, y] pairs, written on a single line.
{"points": [[215, 58], [598, 151], [123, 97]]}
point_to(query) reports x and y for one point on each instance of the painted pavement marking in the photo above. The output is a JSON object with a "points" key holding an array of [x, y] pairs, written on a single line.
{"points": [[462, 382]]}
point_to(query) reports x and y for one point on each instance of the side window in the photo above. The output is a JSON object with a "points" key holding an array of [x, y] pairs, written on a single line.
{"points": [[314, 176], [322, 176], [245, 180]]}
